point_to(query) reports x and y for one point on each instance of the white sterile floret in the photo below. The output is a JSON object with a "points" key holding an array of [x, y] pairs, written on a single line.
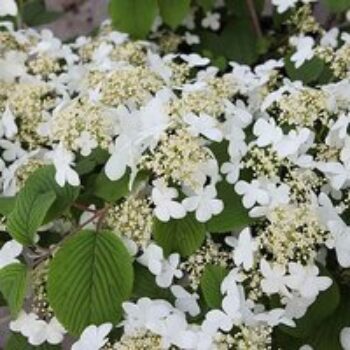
{"points": [[304, 49], [306, 280], [63, 160], [195, 60], [275, 317], [275, 280], [267, 132], [232, 170], [244, 248], [11, 150], [38, 331], [205, 203], [8, 8], [86, 143], [152, 257], [8, 123], [9, 252], [93, 337], [252, 193], [165, 205], [330, 38], [203, 125], [185, 301], [211, 20]]}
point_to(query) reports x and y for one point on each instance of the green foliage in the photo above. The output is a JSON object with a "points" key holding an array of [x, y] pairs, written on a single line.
{"points": [[234, 216], [39, 202], [19, 342], [7, 204], [211, 280], [89, 278], [184, 236], [34, 13], [338, 5], [173, 11], [237, 41], [133, 16], [309, 72], [29, 214], [13, 286], [206, 4], [87, 164]]}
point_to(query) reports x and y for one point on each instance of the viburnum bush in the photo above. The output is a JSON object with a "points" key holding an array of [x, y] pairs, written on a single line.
{"points": [[185, 191]]}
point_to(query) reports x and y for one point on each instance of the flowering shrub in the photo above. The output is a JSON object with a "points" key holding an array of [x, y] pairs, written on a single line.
{"points": [[150, 200]]}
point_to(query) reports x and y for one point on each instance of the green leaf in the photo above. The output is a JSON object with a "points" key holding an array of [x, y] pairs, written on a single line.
{"points": [[7, 204], [19, 342], [34, 13], [39, 202], [89, 278], [207, 5], [338, 5], [173, 11], [184, 236], [87, 164], [111, 191], [13, 286], [210, 283], [145, 285], [237, 41], [309, 72], [29, 214], [325, 304], [234, 216], [133, 16]]}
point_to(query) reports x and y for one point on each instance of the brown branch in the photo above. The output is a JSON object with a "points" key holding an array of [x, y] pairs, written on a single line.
{"points": [[255, 19]]}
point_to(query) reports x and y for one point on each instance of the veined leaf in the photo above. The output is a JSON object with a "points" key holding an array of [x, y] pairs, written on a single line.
{"points": [[13, 286], [89, 278], [17, 341], [7, 204], [133, 16], [184, 236], [174, 11]]}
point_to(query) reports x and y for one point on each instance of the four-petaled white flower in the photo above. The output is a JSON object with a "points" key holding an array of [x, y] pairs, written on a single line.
{"points": [[186, 301], [211, 20], [284, 5], [195, 60], [63, 160], [86, 143], [205, 203], [244, 248], [275, 280], [169, 270], [93, 337], [252, 193], [304, 49], [306, 280], [165, 205]]}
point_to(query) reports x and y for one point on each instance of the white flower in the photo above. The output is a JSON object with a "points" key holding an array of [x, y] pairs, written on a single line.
{"points": [[267, 132], [330, 38], [205, 203], [275, 317], [8, 123], [163, 198], [191, 39], [341, 236], [38, 331], [93, 337], [274, 280], [304, 49], [252, 193], [86, 143], [186, 301], [306, 281], [8, 8], [158, 66], [9, 252], [232, 170], [62, 160], [12, 150], [244, 248], [169, 271], [338, 173], [152, 258], [284, 5], [195, 60], [211, 20], [145, 314], [345, 338], [204, 125]]}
